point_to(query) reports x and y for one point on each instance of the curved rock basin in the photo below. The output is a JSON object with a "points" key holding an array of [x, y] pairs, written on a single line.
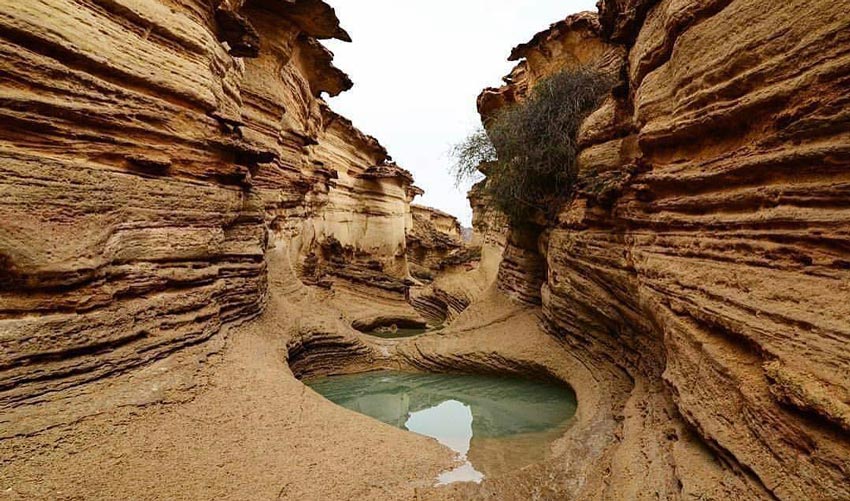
{"points": [[495, 424], [401, 332], [398, 333], [393, 327]]}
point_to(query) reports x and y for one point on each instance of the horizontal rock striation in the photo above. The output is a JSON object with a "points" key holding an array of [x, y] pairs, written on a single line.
{"points": [[127, 231], [433, 241], [705, 256], [150, 154], [574, 42], [367, 205], [451, 269], [745, 152], [168, 167], [456, 273], [443, 222]]}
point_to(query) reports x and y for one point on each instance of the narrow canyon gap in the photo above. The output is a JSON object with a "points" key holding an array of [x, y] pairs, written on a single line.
{"points": [[187, 230]]}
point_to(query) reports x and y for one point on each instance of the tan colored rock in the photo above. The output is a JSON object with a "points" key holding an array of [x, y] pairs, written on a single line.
{"points": [[127, 232], [742, 189], [455, 273], [443, 222], [146, 171], [713, 272], [432, 239], [574, 43], [158, 191], [368, 199]]}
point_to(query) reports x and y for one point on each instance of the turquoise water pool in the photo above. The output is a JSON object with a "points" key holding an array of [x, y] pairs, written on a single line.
{"points": [[494, 424]]}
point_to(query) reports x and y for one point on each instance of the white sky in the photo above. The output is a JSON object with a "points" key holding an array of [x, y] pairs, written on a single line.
{"points": [[418, 66]]}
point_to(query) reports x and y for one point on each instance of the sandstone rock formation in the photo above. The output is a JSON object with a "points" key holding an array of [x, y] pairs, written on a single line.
{"points": [[452, 273], [433, 241], [702, 264], [179, 200], [443, 222], [150, 156], [573, 42], [128, 229]]}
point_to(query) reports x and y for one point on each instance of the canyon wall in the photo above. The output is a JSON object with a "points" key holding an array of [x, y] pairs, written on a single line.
{"points": [[359, 232], [443, 222], [159, 158], [703, 263], [433, 241], [150, 154], [450, 273]]}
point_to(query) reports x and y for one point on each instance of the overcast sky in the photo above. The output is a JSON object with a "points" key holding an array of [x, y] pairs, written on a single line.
{"points": [[418, 66]]}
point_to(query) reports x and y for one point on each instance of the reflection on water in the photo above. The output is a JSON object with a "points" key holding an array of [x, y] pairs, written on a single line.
{"points": [[495, 424], [451, 424]]}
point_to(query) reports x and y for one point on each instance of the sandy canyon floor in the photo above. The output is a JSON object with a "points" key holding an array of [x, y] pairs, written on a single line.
{"points": [[228, 419]]}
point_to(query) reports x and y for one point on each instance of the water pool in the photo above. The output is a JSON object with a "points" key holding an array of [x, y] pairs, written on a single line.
{"points": [[495, 424], [398, 333]]}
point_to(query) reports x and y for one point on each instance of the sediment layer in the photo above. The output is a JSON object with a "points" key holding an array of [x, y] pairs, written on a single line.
{"points": [[151, 154], [179, 200], [704, 254]]}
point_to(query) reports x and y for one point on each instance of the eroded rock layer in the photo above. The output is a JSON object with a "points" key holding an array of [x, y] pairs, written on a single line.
{"points": [[127, 229], [705, 256], [165, 164], [150, 153], [433, 241]]}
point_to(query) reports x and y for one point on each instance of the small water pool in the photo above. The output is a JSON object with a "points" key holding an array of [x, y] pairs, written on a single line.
{"points": [[393, 328], [398, 332], [495, 424]]}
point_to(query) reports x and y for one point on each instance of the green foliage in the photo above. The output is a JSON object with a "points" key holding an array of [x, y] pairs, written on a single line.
{"points": [[471, 153], [531, 147]]}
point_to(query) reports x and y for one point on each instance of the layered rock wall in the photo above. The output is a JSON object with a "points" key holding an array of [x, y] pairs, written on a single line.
{"points": [[450, 272], [704, 259], [461, 275], [127, 228], [155, 154], [737, 229], [433, 241], [363, 221], [443, 222], [574, 42], [150, 153]]}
